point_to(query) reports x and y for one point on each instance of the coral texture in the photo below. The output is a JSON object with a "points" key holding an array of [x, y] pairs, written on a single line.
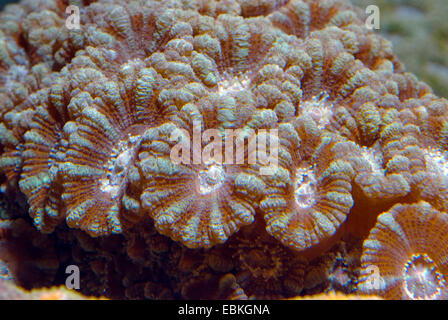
{"points": [[93, 119], [415, 236]]}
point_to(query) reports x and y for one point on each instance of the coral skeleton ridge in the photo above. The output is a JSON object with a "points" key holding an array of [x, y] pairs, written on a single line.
{"points": [[87, 118]]}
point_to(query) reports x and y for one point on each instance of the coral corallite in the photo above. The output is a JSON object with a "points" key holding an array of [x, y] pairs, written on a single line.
{"points": [[127, 144]]}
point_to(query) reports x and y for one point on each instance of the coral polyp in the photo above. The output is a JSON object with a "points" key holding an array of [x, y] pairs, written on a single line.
{"points": [[423, 280], [197, 204], [218, 149], [210, 178], [305, 187], [406, 251], [301, 211]]}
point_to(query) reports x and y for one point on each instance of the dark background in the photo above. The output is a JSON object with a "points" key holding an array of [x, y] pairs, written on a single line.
{"points": [[3, 3]]}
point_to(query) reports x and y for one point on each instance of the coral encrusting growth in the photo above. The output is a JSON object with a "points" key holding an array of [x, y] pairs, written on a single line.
{"points": [[94, 120]]}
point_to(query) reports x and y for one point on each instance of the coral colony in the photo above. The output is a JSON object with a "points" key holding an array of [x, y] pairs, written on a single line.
{"points": [[355, 200]]}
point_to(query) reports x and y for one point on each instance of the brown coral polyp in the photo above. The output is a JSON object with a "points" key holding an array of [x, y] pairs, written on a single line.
{"points": [[315, 201], [404, 256]]}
